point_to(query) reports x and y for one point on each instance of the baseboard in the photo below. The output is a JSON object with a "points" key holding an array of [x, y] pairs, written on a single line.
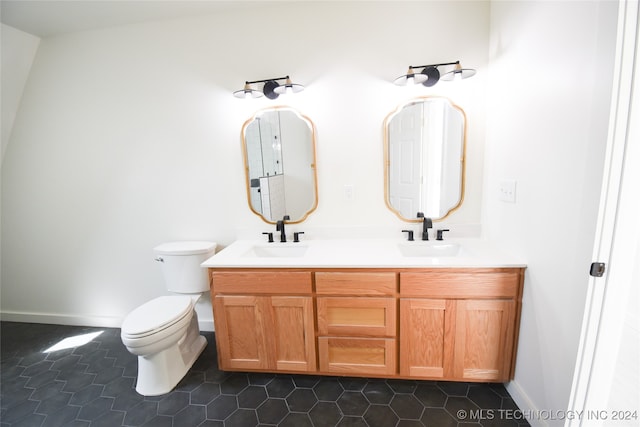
{"points": [[527, 409], [206, 325], [78, 320], [61, 319]]}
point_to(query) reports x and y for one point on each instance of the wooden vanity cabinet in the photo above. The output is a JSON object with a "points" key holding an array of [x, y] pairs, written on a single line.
{"points": [[356, 314], [264, 320], [459, 324], [456, 324]]}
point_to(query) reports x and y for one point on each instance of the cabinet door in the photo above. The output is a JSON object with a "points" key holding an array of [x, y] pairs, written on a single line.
{"points": [[426, 341], [293, 344], [240, 322], [484, 339]]}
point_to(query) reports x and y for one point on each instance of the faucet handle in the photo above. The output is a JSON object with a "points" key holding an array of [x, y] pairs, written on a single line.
{"points": [[439, 233], [270, 235], [410, 234], [296, 236]]}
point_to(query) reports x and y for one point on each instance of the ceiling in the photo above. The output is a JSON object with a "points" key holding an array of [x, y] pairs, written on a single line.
{"points": [[44, 18]]}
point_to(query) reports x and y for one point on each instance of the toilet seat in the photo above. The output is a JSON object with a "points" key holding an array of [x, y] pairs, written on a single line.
{"points": [[156, 315]]}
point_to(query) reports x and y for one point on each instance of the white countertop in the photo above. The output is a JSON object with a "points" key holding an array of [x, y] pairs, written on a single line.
{"points": [[359, 253]]}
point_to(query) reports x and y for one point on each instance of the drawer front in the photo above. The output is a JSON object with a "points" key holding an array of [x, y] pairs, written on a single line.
{"points": [[473, 284], [357, 355], [261, 282], [345, 283], [357, 316]]}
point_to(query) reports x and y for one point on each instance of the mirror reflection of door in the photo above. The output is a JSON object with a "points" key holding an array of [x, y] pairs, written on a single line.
{"points": [[279, 148], [405, 142], [424, 143]]}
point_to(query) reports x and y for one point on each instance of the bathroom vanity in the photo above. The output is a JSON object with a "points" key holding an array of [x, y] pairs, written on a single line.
{"points": [[367, 308]]}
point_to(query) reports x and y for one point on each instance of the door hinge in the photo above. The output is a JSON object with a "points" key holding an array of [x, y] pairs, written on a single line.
{"points": [[597, 269]]}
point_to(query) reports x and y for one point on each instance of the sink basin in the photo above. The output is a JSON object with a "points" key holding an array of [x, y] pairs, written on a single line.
{"points": [[277, 250], [429, 249]]}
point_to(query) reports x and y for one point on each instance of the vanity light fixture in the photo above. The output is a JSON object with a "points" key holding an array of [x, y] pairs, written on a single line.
{"points": [[430, 75], [271, 88]]}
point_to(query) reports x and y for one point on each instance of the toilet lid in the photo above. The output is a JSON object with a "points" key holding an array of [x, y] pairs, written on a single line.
{"points": [[156, 314]]}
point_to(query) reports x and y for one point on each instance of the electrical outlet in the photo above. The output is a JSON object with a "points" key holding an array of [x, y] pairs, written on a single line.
{"points": [[508, 191]]}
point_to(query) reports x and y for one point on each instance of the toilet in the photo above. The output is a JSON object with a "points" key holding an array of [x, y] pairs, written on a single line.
{"points": [[164, 332]]}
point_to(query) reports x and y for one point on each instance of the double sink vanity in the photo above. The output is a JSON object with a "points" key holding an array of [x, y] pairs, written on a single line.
{"points": [[376, 307], [445, 310]]}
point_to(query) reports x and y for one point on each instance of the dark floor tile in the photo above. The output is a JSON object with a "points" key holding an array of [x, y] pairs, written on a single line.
{"points": [[32, 420], [221, 407], [242, 418], [328, 389], [402, 386], [234, 384], [272, 411], [95, 408], [252, 397], [306, 381], [485, 397], [301, 400], [353, 403], [173, 403], [296, 420], [205, 393], [159, 421], [378, 392], [94, 385], [109, 419], [352, 422], [430, 395], [325, 414], [406, 406], [280, 386], [141, 413], [62, 417], [191, 415], [380, 416]]}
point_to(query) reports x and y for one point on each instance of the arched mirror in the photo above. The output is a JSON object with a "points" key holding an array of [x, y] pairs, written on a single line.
{"points": [[424, 148], [280, 164]]}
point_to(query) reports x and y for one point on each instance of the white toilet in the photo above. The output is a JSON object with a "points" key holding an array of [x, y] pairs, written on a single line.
{"points": [[164, 332]]}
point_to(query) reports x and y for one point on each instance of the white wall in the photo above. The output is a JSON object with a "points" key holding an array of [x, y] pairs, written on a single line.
{"points": [[17, 52], [129, 137], [550, 82]]}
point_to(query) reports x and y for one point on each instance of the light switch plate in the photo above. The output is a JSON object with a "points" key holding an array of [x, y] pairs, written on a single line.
{"points": [[508, 191], [348, 192]]}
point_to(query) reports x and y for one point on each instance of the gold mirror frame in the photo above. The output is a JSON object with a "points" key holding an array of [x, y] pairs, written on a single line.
{"points": [[387, 160], [312, 165]]}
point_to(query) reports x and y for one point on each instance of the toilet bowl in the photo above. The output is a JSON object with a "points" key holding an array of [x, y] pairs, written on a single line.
{"points": [[164, 332]]}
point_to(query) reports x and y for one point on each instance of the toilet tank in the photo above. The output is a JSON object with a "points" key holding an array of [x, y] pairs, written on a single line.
{"points": [[181, 265]]}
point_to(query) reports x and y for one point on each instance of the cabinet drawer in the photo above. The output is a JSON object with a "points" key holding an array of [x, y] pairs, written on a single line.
{"points": [[261, 282], [342, 283], [357, 355], [480, 283], [357, 316]]}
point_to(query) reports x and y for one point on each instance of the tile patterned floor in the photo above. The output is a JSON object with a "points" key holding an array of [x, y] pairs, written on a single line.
{"points": [[93, 385]]}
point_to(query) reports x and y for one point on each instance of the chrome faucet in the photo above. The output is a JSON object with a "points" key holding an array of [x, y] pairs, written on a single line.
{"points": [[280, 228], [426, 225]]}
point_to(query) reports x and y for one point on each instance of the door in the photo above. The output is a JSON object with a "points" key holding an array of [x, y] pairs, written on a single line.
{"points": [[426, 343], [405, 156], [240, 322], [293, 345], [606, 377], [484, 339]]}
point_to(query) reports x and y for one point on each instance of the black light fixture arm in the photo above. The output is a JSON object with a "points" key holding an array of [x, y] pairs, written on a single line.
{"points": [[267, 80], [434, 65]]}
